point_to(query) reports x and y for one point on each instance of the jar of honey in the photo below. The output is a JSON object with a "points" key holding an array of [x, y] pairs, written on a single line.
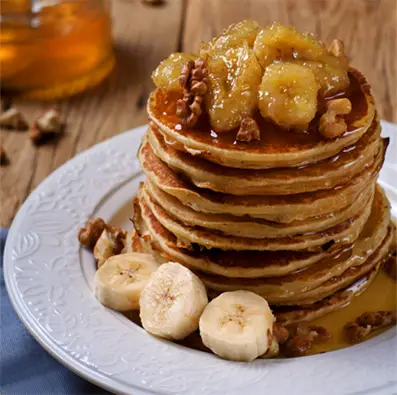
{"points": [[54, 48]]}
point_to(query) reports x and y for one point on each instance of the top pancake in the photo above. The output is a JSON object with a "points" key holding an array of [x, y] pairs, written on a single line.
{"points": [[277, 147], [325, 174]]}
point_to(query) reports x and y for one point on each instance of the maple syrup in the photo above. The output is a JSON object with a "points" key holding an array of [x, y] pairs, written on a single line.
{"points": [[380, 295], [273, 138]]}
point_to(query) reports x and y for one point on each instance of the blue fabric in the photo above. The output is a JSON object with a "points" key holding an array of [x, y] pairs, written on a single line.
{"points": [[25, 367]]}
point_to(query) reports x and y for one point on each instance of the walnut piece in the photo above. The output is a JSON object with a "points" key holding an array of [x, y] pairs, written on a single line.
{"points": [[47, 125], [301, 338], [105, 240], [297, 346], [111, 242], [4, 160], [316, 334], [13, 119], [332, 123], [249, 130], [280, 332], [89, 235], [194, 81], [366, 323]]}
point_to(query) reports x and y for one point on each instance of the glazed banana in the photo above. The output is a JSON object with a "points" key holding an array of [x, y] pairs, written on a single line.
{"points": [[237, 326], [288, 95], [172, 302], [118, 283]]}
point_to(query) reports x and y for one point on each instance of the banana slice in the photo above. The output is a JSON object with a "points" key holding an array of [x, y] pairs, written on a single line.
{"points": [[237, 326], [288, 95], [172, 302], [118, 283]]}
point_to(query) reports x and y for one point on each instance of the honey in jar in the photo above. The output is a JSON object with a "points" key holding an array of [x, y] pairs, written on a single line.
{"points": [[52, 49]]}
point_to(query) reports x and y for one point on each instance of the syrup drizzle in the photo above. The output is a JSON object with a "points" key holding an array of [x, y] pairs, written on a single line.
{"points": [[273, 138]]}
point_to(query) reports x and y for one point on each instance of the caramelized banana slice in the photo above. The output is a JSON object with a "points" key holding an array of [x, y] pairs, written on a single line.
{"points": [[285, 43], [168, 71], [232, 37], [280, 42], [234, 77], [332, 79], [288, 95]]}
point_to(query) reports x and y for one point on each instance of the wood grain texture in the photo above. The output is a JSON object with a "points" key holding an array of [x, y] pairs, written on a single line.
{"points": [[145, 35]]}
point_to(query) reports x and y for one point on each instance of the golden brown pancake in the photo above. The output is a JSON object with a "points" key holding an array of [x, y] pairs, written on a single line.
{"points": [[294, 314], [277, 148], [359, 267], [282, 209], [326, 174], [342, 234], [253, 227], [249, 264]]}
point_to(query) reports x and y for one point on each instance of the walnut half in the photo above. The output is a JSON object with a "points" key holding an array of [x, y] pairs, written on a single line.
{"points": [[332, 123], [194, 81], [89, 235]]}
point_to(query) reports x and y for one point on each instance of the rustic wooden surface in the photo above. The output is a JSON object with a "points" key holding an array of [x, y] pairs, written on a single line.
{"points": [[144, 35]]}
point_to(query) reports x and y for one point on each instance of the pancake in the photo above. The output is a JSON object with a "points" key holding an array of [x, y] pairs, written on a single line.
{"points": [[342, 234], [293, 314], [277, 147], [242, 264], [320, 270], [250, 227], [307, 288], [326, 174], [282, 209], [287, 315]]}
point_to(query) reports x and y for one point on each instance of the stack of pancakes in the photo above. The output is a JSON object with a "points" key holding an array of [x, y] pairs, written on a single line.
{"points": [[295, 218]]}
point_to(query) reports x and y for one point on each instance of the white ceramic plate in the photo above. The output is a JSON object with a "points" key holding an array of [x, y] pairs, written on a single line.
{"points": [[48, 277]]}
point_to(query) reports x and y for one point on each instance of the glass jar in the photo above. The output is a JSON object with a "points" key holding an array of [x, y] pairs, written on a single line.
{"points": [[52, 49]]}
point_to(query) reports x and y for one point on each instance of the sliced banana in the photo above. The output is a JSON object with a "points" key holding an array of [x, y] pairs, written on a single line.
{"points": [[118, 283], [172, 302], [237, 326], [288, 95]]}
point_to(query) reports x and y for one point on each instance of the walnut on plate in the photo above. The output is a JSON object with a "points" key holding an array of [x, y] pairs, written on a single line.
{"points": [[105, 240], [366, 323], [89, 235], [301, 338]]}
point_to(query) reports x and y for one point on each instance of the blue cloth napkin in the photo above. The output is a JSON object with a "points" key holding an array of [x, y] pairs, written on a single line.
{"points": [[26, 368]]}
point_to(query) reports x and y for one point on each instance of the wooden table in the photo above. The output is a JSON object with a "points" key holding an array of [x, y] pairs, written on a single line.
{"points": [[144, 35]]}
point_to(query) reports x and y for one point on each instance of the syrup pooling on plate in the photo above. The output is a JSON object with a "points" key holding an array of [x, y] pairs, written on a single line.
{"points": [[273, 138]]}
